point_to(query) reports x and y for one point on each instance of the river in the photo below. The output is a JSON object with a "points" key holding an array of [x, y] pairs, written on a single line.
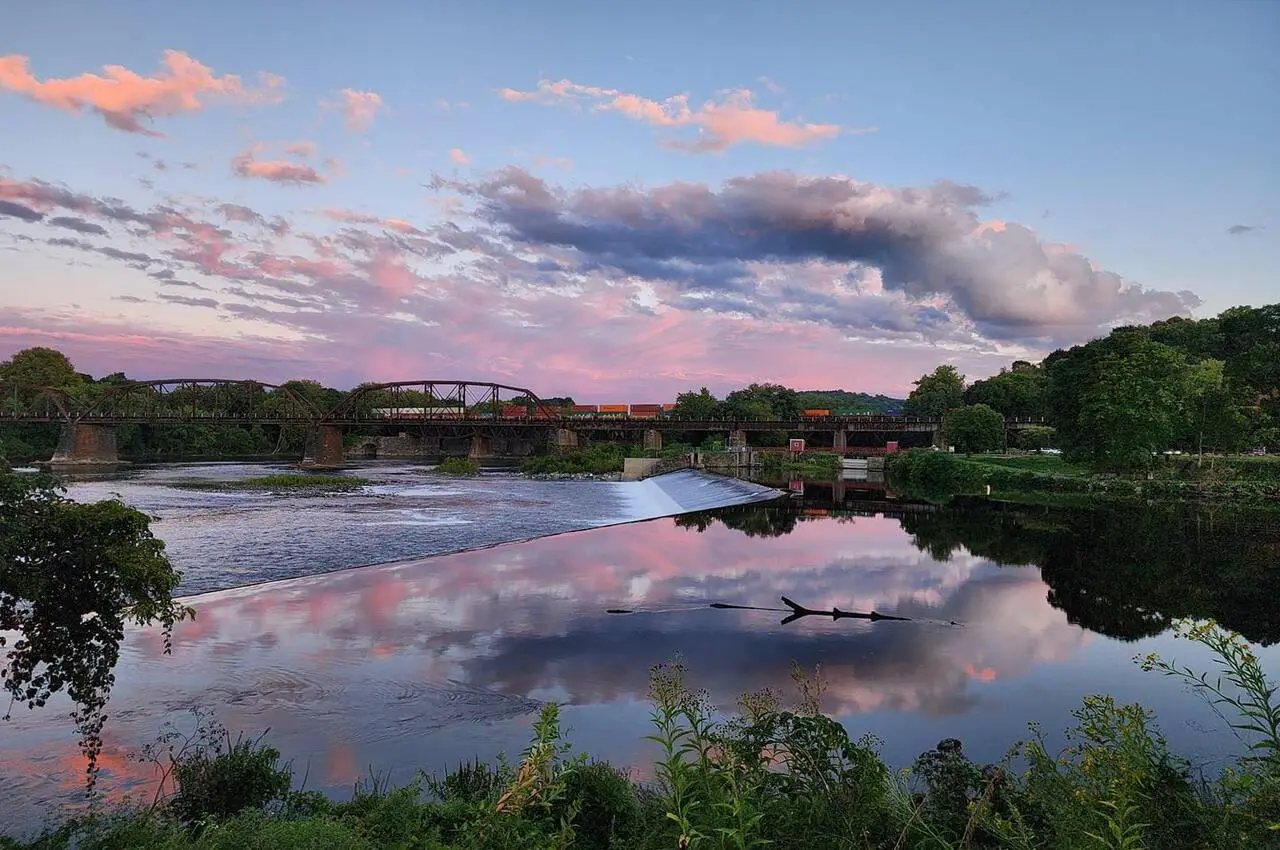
{"points": [[1016, 614]]}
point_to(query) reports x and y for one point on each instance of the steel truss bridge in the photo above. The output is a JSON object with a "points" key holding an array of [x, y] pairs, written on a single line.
{"points": [[496, 418], [437, 402]]}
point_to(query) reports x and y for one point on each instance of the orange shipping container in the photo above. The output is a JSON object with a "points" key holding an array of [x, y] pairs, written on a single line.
{"points": [[645, 407], [613, 408], [585, 408], [817, 412]]}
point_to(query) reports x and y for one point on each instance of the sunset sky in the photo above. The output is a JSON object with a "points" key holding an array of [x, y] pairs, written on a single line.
{"points": [[623, 202]]}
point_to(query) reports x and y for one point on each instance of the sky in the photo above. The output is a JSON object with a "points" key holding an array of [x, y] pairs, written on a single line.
{"points": [[623, 205]]}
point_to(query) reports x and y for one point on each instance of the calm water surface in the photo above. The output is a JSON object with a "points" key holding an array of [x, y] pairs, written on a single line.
{"points": [[1017, 614]]}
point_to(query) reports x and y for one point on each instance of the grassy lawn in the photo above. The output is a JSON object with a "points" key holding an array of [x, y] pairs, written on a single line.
{"points": [[1051, 464]]}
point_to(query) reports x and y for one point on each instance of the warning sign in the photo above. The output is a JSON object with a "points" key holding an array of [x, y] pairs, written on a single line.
{"points": [[796, 445]]}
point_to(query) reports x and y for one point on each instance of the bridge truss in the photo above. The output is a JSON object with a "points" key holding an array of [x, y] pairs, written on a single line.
{"points": [[234, 401]]}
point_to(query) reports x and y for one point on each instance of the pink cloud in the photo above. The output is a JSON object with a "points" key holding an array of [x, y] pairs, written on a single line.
{"points": [[353, 217], [459, 156], [245, 164], [304, 149], [730, 120], [358, 107], [502, 298], [127, 100]]}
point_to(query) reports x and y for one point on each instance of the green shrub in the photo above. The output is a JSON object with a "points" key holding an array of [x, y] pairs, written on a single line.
{"points": [[220, 778], [597, 459], [458, 466]]}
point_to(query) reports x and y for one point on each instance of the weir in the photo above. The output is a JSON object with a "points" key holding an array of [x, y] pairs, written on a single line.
{"points": [[690, 490]]}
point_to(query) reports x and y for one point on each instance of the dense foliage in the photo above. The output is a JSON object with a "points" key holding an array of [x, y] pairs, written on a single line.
{"points": [[974, 428], [767, 776], [1194, 385], [596, 459], [71, 576], [935, 393]]}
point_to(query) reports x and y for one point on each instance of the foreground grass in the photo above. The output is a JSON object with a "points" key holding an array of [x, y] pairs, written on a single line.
{"points": [[766, 777], [283, 481]]}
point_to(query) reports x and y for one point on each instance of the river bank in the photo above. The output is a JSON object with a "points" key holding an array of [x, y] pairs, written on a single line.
{"points": [[778, 772], [1048, 478]]}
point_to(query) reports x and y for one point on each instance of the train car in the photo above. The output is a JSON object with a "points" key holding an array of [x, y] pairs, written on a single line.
{"points": [[402, 413], [613, 411], [816, 412], [514, 411], [645, 411], [667, 409], [583, 411]]}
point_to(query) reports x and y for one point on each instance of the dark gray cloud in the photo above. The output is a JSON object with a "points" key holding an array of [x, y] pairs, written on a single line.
{"points": [[79, 225], [927, 243], [104, 250], [187, 302], [1241, 229], [238, 212], [21, 211]]}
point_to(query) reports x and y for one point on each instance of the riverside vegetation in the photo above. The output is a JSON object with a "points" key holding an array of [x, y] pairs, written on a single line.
{"points": [[938, 476], [766, 776]]}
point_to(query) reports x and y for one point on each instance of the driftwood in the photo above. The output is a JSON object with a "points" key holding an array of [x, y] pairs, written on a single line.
{"points": [[794, 611], [798, 611]]}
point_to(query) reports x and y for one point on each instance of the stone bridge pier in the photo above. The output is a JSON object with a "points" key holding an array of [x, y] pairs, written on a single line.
{"points": [[481, 447], [324, 446], [653, 440], [83, 444]]}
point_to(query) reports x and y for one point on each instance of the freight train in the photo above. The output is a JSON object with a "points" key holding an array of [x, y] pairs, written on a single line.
{"points": [[521, 411]]}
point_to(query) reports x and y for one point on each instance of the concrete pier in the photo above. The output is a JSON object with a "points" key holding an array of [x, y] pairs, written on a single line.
{"points": [[82, 444]]}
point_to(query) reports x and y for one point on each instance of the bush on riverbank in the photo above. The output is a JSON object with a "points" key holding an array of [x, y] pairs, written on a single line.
{"points": [[458, 466], [596, 459], [769, 776]]}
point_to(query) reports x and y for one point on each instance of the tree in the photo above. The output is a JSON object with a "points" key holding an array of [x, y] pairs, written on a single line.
{"points": [[1212, 411], [71, 576], [1017, 392], [763, 401], [935, 393], [700, 405], [1134, 407], [974, 428], [40, 367], [1032, 437]]}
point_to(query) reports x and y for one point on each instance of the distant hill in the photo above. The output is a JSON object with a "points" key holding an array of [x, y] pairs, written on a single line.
{"points": [[841, 402]]}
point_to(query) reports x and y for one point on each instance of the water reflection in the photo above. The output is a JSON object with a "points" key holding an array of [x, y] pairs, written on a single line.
{"points": [[424, 663], [1129, 570]]}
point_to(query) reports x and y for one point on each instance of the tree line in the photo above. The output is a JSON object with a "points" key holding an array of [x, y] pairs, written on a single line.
{"points": [[1192, 385]]}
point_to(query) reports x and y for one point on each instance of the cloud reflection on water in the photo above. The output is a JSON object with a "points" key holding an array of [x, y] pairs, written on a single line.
{"points": [[360, 666]]}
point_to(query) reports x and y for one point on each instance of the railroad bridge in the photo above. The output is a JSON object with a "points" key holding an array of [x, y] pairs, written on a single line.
{"points": [[485, 419]]}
